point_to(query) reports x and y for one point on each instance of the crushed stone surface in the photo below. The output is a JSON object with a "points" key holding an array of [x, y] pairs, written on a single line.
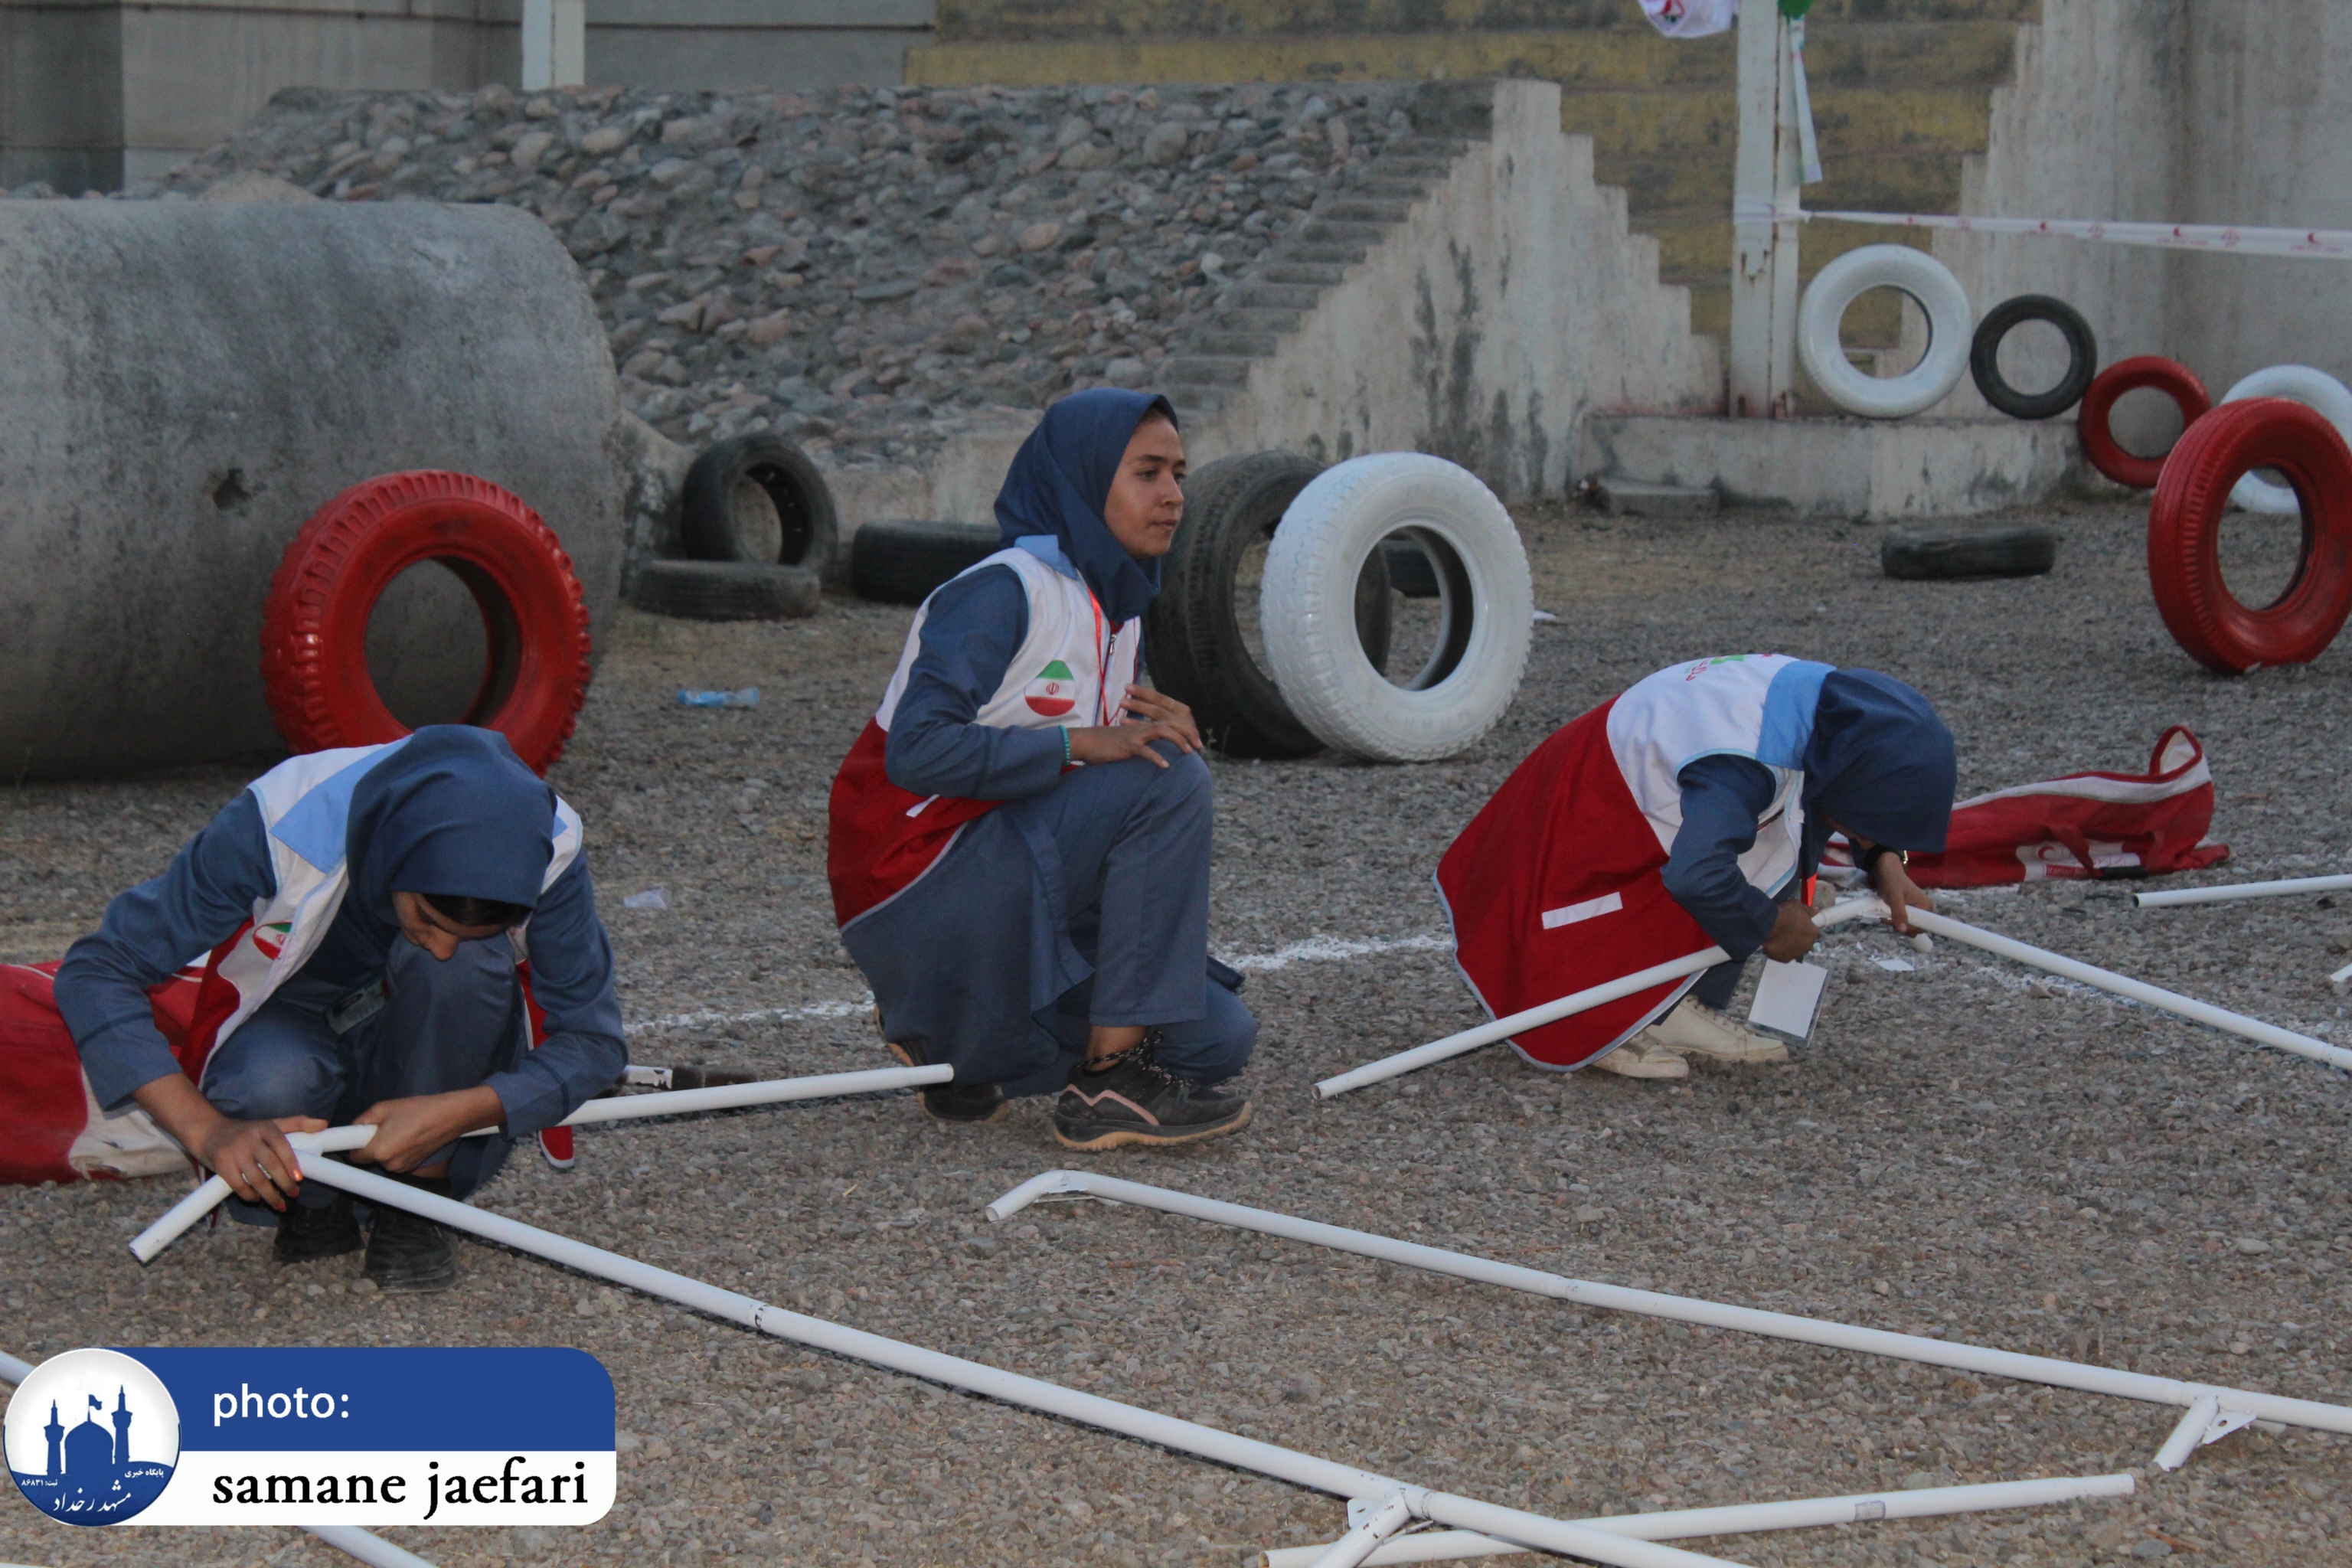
{"points": [[867, 270], [1966, 1149]]}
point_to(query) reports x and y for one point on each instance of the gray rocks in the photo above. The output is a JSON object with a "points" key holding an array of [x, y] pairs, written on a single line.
{"points": [[924, 256]]}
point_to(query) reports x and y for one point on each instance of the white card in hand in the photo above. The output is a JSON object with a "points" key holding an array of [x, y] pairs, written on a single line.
{"points": [[1787, 999]]}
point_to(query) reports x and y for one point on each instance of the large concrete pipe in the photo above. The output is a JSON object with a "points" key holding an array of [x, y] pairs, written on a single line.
{"points": [[183, 385]]}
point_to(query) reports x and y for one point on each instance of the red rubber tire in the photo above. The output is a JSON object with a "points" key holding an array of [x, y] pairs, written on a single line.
{"points": [[2170, 377], [2184, 563], [314, 667]]}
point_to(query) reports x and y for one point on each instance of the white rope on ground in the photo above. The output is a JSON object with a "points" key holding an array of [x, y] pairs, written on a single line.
{"points": [[373, 1549], [2217, 240], [1313, 949]]}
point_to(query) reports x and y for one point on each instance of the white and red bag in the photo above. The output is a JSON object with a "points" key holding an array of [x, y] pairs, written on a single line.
{"points": [[2080, 825]]}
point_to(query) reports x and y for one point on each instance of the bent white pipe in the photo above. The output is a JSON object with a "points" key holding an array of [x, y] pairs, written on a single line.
{"points": [[1745, 1518], [209, 1193], [1363, 1541], [2155, 997], [1167, 1431], [1563, 1007], [2142, 1387], [2286, 888], [373, 1550]]}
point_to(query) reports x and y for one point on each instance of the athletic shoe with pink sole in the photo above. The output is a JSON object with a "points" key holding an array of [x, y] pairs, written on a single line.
{"points": [[1136, 1101]]}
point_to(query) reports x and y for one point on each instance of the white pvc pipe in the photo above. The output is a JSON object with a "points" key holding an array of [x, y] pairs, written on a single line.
{"points": [[1745, 1518], [2047, 1370], [2235, 891], [370, 1549], [2341, 975], [2191, 1432], [373, 1550], [1167, 1431], [1566, 1006], [210, 1192], [2171, 1002]]}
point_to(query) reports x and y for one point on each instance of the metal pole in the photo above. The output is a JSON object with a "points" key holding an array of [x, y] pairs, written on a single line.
{"points": [[1167, 1431], [209, 1195], [1563, 1007], [2047, 1370], [2171, 1002], [538, 45], [2236, 890], [1745, 1518], [1765, 183]]}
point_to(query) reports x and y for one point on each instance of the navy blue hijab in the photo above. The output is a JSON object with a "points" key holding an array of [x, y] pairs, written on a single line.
{"points": [[1880, 762], [1061, 477], [453, 812]]}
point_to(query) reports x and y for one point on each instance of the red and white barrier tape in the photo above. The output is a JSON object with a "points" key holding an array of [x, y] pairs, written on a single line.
{"points": [[2324, 244]]}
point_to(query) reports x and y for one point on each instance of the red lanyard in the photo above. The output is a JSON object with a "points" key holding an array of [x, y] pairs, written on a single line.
{"points": [[1103, 646]]}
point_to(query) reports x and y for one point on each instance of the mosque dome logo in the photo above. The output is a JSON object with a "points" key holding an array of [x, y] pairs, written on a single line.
{"points": [[91, 1436]]}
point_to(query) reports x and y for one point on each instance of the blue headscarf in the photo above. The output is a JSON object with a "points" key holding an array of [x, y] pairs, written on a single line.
{"points": [[1061, 477], [453, 812], [1880, 762]]}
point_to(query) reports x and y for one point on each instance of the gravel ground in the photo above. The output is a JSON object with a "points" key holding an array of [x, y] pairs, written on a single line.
{"points": [[1963, 1151], [865, 270]]}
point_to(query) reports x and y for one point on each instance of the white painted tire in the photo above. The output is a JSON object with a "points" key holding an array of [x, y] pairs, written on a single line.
{"points": [[1306, 610], [2315, 390], [1951, 327]]}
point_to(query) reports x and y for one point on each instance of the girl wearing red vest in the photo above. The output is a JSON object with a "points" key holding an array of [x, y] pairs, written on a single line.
{"points": [[1020, 837], [1689, 810]]}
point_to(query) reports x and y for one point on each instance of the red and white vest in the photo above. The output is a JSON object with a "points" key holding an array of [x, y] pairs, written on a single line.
{"points": [[1072, 670], [305, 804], [1556, 886]]}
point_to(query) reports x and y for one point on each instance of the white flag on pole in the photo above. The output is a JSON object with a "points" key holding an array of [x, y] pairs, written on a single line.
{"points": [[1691, 18]]}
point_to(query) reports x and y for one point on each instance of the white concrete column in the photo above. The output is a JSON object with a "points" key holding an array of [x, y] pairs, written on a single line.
{"points": [[1765, 179], [555, 43]]}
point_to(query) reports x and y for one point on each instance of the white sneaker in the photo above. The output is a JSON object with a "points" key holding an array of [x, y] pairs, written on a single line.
{"points": [[1643, 1057], [1695, 1027]]}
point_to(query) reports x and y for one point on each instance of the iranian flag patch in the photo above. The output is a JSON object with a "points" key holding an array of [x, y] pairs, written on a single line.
{"points": [[1053, 692]]}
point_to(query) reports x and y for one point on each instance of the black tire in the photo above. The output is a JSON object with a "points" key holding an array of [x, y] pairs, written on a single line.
{"points": [[1410, 572], [758, 498], [2082, 356], [1192, 634], [724, 590], [1944, 554], [901, 563]]}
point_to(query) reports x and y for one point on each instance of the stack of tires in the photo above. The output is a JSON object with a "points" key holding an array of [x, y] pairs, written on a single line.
{"points": [[759, 528], [1278, 620]]}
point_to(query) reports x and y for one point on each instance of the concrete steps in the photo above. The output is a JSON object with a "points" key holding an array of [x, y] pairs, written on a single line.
{"points": [[1902, 94]]}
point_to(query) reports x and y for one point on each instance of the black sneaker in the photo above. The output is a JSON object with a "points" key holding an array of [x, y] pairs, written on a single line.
{"points": [[957, 1104], [1136, 1101], [306, 1235], [408, 1254]]}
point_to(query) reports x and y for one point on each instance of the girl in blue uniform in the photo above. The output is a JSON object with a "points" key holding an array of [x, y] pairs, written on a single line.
{"points": [[1020, 837]]}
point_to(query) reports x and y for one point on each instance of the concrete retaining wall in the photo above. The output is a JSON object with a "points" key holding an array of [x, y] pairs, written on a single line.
{"points": [[1512, 303], [2185, 111], [157, 460], [97, 94]]}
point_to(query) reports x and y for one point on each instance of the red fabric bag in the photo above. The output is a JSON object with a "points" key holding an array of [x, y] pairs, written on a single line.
{"points": [[2080, 826]]}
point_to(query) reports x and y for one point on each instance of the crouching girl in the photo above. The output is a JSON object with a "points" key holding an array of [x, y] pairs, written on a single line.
{"points": [[1020, 837]]}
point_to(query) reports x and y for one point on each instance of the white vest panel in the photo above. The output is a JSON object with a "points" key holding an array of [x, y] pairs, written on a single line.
{"points": [[1758, 706], [1056, 678]]}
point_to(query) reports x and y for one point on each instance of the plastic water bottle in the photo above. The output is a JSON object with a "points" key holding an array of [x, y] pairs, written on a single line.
{"points": [[747, 698]]}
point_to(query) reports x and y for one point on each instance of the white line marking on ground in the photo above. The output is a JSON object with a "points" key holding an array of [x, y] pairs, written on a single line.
{"points": [[1313, 949]]}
